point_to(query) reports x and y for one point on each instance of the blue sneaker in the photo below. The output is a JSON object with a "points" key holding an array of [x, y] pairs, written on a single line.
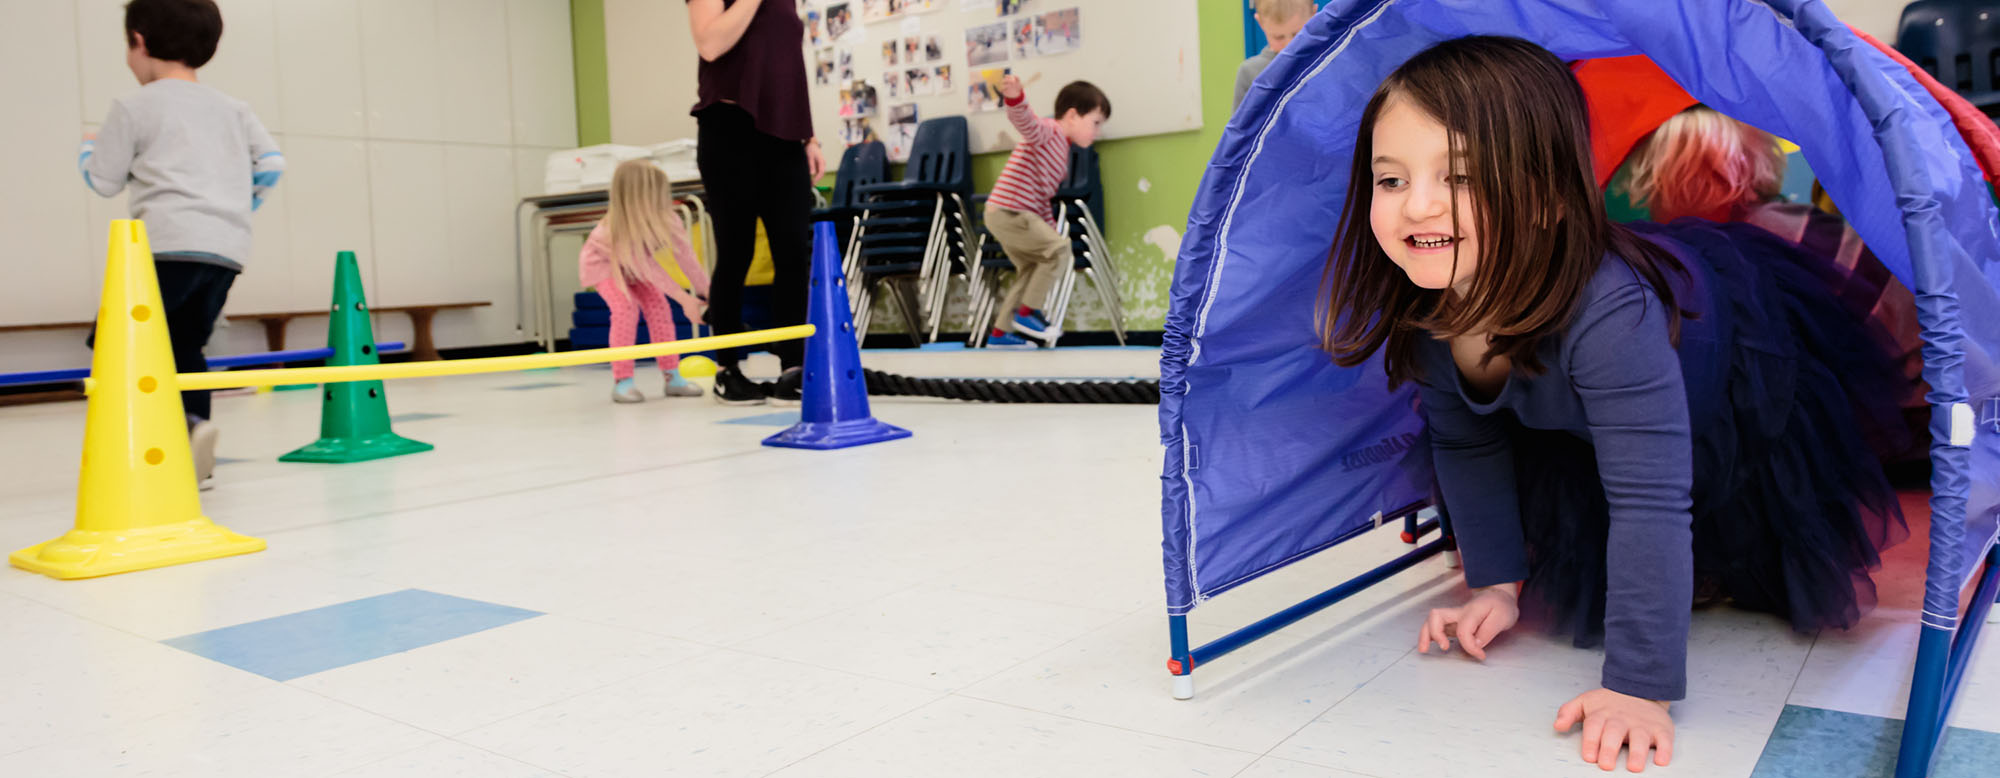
{"points": [[1007, 340], [1033, 324]]}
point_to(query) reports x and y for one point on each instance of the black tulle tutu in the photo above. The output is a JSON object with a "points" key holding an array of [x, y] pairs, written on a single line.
{"points": [[1790, 504]]}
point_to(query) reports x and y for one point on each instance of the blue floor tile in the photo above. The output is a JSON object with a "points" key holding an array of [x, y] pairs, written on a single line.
{"points": [[777, 419], [285, 647], [1818, 743]]}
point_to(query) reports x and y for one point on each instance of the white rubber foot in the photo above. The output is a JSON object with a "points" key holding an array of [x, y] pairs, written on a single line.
{"points": [[1451, 559], [1183, 687]]}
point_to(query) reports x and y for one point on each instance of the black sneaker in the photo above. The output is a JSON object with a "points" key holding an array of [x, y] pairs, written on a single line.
{"points": [[731, 388], [785, 391]]}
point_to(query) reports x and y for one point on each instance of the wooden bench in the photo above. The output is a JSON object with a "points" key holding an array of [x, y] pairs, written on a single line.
{"points": [[422, 347]]}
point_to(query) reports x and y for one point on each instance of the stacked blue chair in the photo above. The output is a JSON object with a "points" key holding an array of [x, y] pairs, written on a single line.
{"points": [[913, 234], [1079, 208], [1958, 43], [863, 164]]}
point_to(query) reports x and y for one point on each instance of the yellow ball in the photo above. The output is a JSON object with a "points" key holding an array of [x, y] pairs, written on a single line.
{"points": [[697, 367]]}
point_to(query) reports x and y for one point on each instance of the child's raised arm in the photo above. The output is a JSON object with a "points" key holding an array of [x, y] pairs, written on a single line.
{"points": [[1025, 121]]}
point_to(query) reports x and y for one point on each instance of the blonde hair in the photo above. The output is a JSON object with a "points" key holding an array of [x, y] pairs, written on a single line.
{"points": [[1702, 162], [1275, 11], [641, 219]]}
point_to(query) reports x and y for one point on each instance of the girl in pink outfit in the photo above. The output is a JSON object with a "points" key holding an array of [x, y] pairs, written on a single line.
{"points": [[617, 261]]}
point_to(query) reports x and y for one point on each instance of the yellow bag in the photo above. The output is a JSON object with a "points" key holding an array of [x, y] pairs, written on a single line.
{"points": [[761, 272]]}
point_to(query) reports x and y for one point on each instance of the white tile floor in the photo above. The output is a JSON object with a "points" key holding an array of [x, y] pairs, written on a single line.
{"points": [[981, 600]]}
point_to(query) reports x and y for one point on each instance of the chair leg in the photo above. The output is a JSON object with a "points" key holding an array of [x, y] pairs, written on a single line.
{"points": [[932, 234], [864, 308], [1111, 306], [903, 293], [1057, 306], [941, 299], [850, 253], [982, 309]]}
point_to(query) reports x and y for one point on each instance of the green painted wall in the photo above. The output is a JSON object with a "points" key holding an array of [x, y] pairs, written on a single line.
{"points": [[1142, 227], [593, 76]]}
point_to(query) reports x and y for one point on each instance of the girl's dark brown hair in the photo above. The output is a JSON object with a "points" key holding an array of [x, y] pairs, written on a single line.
{"points": [[1517, 115]]}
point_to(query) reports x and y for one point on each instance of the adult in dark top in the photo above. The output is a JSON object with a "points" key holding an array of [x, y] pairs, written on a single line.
{"points": [[1623, 422], [758, 159]]}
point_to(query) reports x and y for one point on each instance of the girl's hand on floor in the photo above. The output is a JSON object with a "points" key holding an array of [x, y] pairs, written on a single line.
{"points": [[1610, 720], [1491, 611]]}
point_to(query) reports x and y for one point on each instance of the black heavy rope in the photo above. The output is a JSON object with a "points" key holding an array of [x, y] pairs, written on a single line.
{"points": [[1135, 392]]}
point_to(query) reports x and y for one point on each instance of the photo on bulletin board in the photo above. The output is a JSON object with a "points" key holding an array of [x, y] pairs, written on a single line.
{"points": [[902, 131], [874, 10], [823, 66], [983, 94], [1024, 36], [980, 98], [913, 50], [941, 80], [858, 99], [865, 103], [814, 29], [893, 84], [919, 81], [933, 49], [846, 64], [1057, 32], [839, 22], [889, 49], [858, 130], [986, 44], [1011, 7]]}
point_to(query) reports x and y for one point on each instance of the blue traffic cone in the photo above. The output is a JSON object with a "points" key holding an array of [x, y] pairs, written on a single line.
{"points": [[834, 411]]}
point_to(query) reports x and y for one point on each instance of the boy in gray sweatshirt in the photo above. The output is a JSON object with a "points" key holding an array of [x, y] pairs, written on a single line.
{"points": [[196, 163]]}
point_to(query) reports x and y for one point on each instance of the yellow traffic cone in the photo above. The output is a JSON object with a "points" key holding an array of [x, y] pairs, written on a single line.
{"points": [[136, 503]]}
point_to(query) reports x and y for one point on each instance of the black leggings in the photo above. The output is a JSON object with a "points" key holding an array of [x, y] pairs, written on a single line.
{"points": [[748, 175]]}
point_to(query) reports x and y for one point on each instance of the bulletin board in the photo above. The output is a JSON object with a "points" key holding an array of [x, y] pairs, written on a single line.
{"points": [[876, 68]]}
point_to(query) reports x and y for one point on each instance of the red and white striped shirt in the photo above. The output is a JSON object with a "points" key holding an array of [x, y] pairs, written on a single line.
{"points": [[1037, 166]]}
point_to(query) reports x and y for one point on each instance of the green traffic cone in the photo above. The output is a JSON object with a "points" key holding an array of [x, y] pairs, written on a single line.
{"points": [[354, 421]]}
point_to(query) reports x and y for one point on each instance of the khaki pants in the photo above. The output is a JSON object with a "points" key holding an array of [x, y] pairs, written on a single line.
{"points": [[1039, 256]]}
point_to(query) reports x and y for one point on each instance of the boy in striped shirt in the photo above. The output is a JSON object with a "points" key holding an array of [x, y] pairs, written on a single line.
{"points": [[1018, 212]]}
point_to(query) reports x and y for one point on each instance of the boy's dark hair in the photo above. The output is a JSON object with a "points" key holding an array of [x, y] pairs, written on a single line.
{"points": [[183, 31], [1082, 97], [1517, 115]]}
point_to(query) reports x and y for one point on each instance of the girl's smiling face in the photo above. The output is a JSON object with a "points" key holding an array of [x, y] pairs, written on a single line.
{"points": [[1421, 208]]}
